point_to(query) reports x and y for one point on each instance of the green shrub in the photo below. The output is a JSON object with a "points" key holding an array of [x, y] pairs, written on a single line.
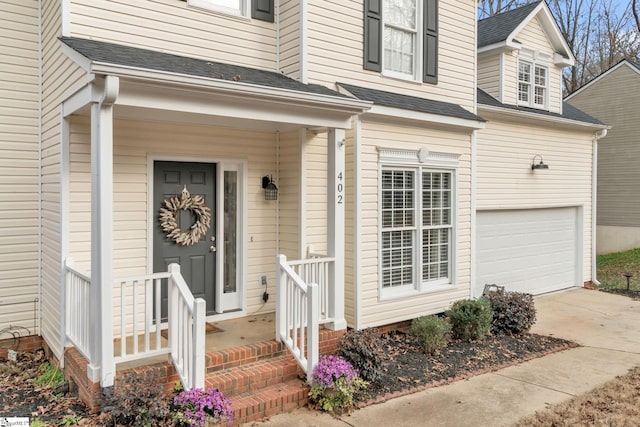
{"points": [[470, 319], [432, 332], [360, 349], [514, 313]]}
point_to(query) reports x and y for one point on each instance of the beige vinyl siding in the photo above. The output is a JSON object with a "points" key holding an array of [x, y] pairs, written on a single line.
{"points": [[171, 26], [377, 312], [289, 194], [336, 51], [505, 180], [489, 74], [19, 189], [315, 170], [59, 76], [133, 142], [289, 39], [510, 78], [614, 99]]}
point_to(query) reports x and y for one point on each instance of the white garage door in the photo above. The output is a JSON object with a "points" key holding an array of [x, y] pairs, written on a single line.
{"points": [[533, 250]]}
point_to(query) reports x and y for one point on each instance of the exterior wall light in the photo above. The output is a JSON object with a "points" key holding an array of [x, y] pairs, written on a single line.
{"points": [[540, 165], [270, 188]]}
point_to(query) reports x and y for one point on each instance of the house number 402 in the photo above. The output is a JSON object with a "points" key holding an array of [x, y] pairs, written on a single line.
{"points": [[340, 188]]}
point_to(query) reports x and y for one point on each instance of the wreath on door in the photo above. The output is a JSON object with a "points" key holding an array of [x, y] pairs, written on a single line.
{"points": [[169, 218]]}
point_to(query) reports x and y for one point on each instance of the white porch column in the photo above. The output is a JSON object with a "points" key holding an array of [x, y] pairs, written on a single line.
{"points": [[102, 365], [335, 225]]}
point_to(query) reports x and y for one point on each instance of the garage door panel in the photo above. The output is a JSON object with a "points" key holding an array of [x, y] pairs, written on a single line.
{"points": [[527, 250]]}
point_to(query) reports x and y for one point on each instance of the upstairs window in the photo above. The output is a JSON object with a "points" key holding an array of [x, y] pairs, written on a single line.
{"points": [[401, 38], [532, 85], [260, 9]]}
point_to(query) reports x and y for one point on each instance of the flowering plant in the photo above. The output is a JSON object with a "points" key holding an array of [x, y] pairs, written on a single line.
{"points": [[333, 384], [200, 408]]}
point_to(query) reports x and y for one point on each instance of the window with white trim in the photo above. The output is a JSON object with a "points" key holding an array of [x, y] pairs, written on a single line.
{"points": [[416, 227], [533, 84], [400, 39], [230, 7]]}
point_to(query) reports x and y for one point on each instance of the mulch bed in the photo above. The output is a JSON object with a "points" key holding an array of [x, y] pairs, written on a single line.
{"points": [[631, 293], [21, 396], [406, 369]]}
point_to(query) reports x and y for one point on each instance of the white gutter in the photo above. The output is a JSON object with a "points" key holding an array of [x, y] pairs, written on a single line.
{"points": [[232, 88], [594, 203]]}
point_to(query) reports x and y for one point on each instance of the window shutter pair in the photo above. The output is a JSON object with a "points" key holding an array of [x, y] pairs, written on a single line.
{"points": [[373, 38], [262, 10]]}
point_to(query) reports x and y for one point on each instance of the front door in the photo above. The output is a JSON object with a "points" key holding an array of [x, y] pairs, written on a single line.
{"points": [[197, 258]]}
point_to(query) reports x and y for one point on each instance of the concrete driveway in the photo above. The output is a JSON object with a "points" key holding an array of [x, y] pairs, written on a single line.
{"points": [[606, 326]]}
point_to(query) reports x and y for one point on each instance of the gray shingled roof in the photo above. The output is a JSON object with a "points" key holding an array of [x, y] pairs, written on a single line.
{"points": [[498, 28], [129, 56], [414, 103], [569, 112]]}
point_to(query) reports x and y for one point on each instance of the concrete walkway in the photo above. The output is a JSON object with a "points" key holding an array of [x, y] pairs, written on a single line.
{"points": [[607, 326]]}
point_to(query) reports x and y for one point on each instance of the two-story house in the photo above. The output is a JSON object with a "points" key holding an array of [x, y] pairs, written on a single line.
{"points": [[338, 163]]}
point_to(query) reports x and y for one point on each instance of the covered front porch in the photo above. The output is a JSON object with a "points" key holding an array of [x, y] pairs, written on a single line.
{"points": [[130, 137]]}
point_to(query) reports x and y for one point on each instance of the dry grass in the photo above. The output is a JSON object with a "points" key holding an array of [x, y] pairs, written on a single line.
{"points": [[617, 403]]}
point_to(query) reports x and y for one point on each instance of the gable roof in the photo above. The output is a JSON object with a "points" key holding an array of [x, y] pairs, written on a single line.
{"points": [[413, 103], [129, 56], [500, 31], [635, 66], [499, 27], [569, 112]]}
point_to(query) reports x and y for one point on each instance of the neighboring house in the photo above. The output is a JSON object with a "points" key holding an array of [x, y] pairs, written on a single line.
{"points": [[401, 186], [614, 98], [534, 226]]}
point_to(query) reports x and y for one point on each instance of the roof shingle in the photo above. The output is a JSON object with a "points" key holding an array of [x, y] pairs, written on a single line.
{"points": [[497, 28], [413, 103], [111, 53]]}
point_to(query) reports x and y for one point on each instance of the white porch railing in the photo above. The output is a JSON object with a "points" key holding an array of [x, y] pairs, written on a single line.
{"points": [[315, 269], [137, 320], [297, 315], [78, 322]]}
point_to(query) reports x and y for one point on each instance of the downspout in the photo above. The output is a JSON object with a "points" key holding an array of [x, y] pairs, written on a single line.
{"points": [[278, 200], [473, 215], [39, 303], [594, 203]]}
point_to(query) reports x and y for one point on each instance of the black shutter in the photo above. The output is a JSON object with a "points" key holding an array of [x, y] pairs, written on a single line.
{"points": [[262, 10], [430, 42], [372, 35]]}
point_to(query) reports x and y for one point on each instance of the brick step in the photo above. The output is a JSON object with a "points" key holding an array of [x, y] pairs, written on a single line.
{"points": [[254, 376], [271, 400], [243, 355]]}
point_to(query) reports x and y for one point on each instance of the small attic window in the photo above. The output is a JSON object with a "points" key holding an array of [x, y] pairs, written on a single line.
{"points": [[533, 84]]}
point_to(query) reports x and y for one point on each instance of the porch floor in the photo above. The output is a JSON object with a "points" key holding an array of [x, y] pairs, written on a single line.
{"points": [[230, 333], [242, 331]]}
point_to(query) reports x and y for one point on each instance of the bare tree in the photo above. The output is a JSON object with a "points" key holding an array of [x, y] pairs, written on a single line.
{"points": [[598, 32], [494, 7]]}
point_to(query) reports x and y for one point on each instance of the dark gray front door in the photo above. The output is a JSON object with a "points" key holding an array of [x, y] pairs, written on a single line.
{"points": [[197, 261]]}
